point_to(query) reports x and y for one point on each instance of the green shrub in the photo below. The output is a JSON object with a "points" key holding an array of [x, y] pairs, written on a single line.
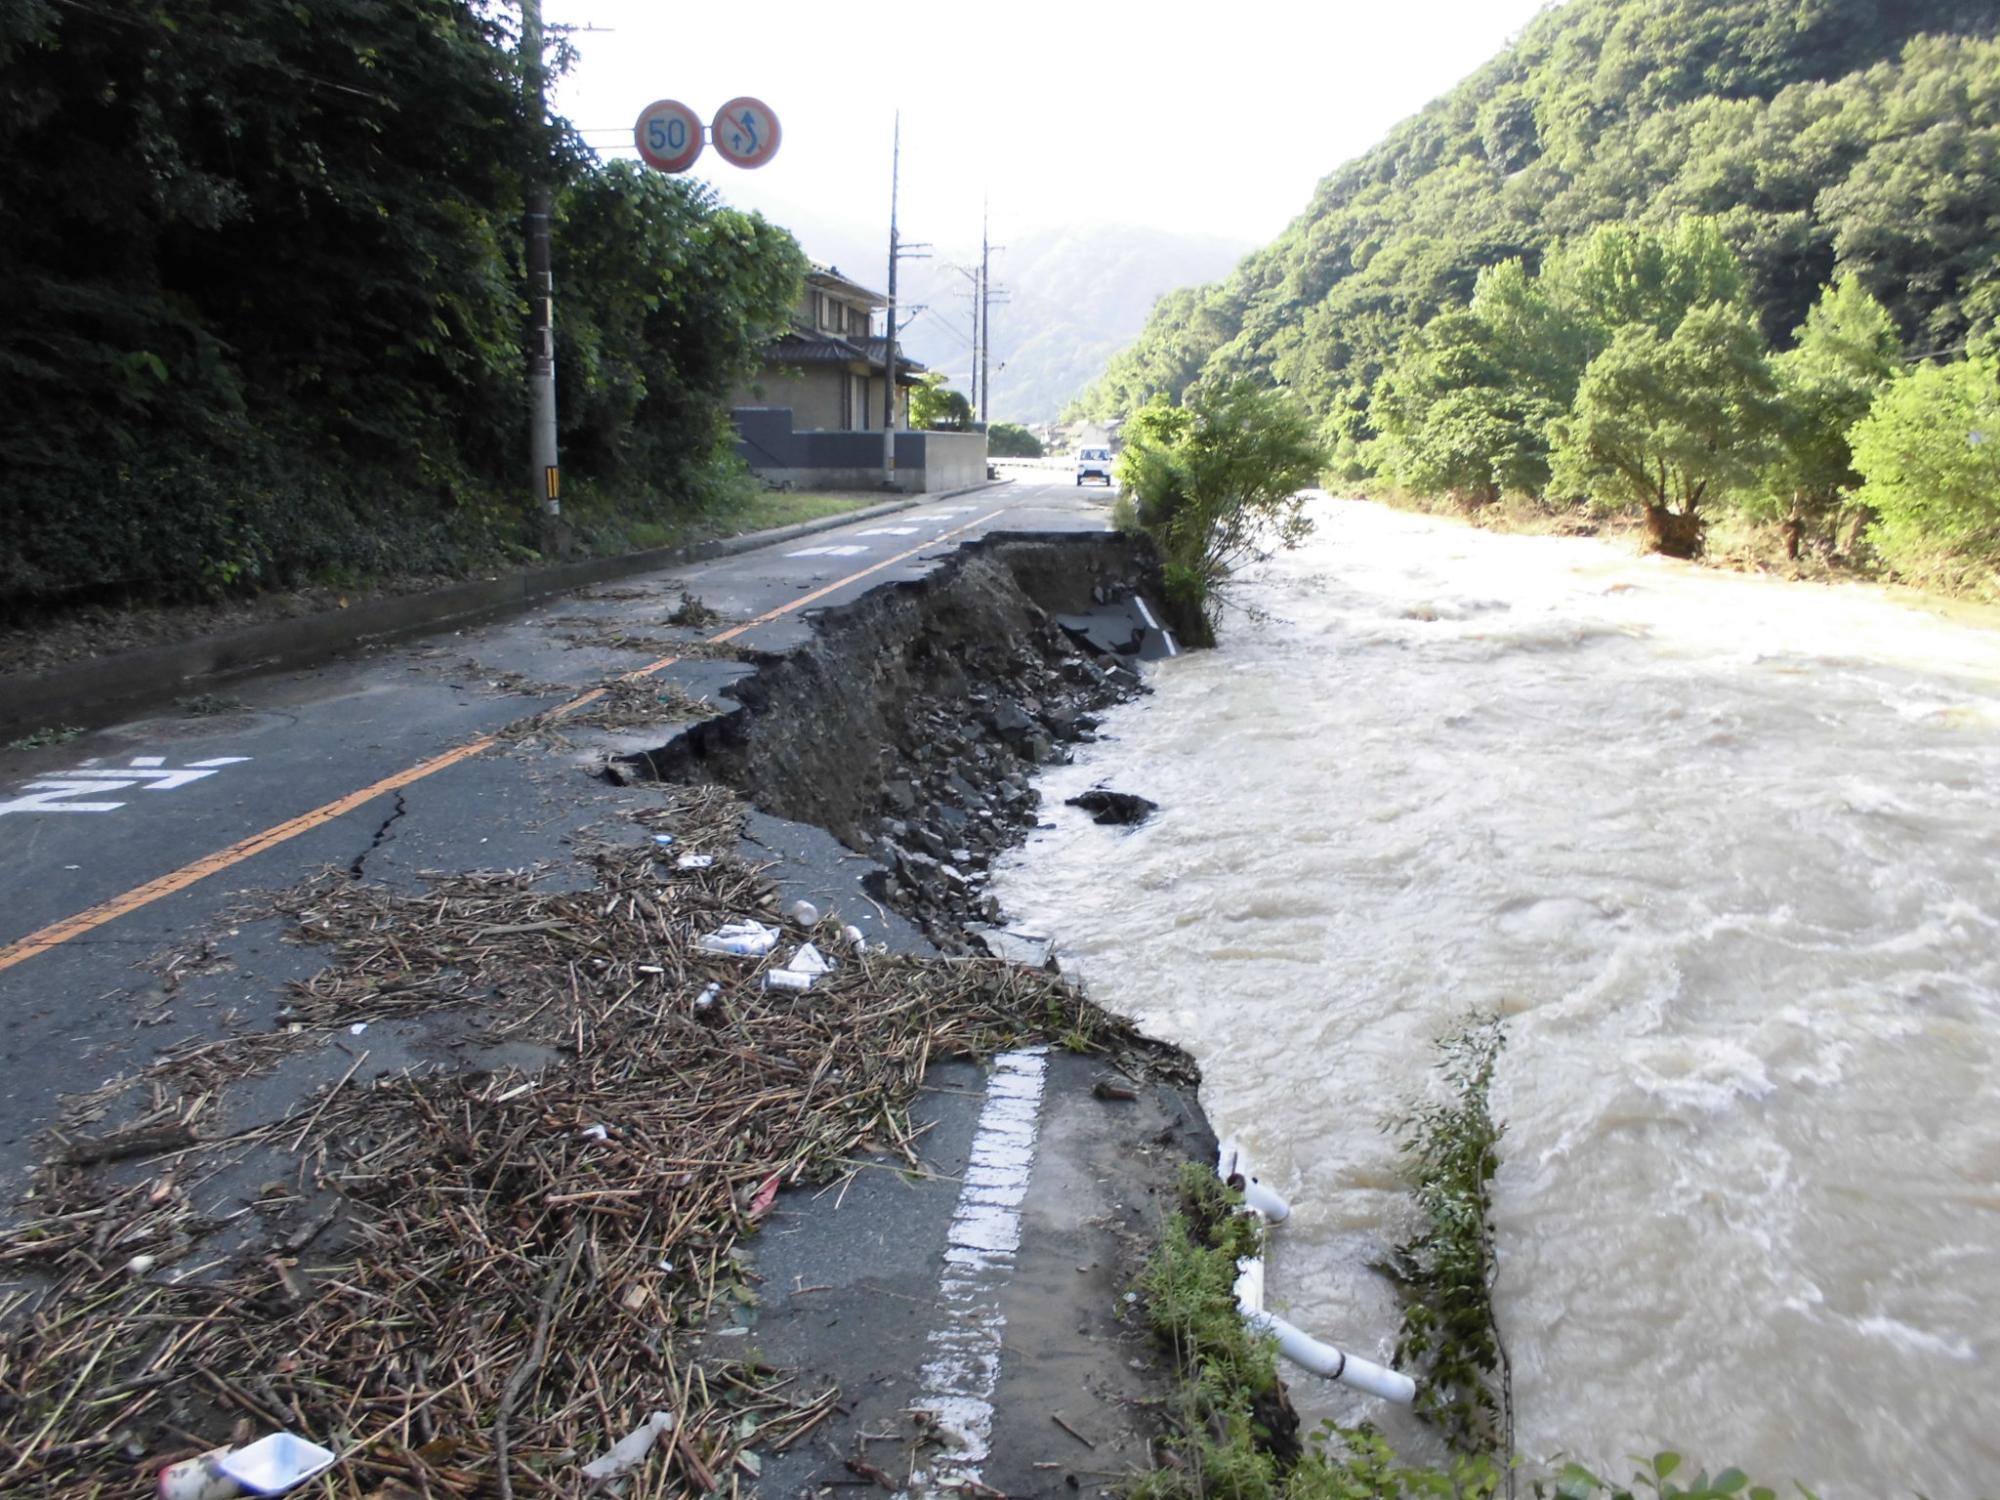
{"points": [[1929, 455], [1214, 482], [1445, 1269]]}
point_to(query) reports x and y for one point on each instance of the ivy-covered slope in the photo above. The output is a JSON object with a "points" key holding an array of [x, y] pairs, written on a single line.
{"points": [[262, 301], [1825, 135]]}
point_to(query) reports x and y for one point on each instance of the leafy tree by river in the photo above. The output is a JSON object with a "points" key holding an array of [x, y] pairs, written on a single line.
{"points": [[261, 301], [1624, 163], [1214, 481]]}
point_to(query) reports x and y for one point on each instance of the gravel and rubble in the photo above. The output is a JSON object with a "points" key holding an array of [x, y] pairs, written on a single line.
{"points": [[915, 721]]}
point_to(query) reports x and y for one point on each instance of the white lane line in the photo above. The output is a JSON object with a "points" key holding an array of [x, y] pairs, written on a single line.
{"points": [[958, 1381], [828, 552], [1166, 636], [889, 531]]}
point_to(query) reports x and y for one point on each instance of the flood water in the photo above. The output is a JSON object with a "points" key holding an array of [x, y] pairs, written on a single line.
{"points": [[1723, 851]]}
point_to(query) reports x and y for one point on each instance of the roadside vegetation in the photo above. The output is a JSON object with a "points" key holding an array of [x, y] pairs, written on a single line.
{"points": [[264, 306], [936, 407], [1012, 440], [1215, 482], [1233, 1434], [1740, 266]]}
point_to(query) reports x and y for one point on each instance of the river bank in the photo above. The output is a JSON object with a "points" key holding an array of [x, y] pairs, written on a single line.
{"points": [[1734, 544]]}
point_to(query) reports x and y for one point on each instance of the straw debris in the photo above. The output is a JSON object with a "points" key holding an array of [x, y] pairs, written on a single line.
{"points": [[454, 1279], [622, 703]]}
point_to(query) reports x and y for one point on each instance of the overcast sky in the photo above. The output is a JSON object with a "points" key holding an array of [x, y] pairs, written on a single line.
{"points": [[1212, 119]]}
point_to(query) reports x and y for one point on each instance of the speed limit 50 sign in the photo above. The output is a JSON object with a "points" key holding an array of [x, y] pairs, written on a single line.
{"points": [[669, 135]]}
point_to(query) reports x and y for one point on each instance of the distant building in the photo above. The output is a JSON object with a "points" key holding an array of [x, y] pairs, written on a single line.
{"points": [[800, 423], [828, 366]]}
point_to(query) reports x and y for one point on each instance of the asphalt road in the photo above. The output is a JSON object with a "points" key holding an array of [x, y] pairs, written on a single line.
{"points": [[980, 1299], [123, 844]]}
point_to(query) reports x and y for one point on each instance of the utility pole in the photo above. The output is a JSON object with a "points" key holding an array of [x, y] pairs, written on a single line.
{"points": [[983, 312], [545, 475], [898, 252], [978, 333], [889, 326]]}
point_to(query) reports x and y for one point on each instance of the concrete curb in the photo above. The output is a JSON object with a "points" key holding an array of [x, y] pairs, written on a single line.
{"points": [[100, 691]]}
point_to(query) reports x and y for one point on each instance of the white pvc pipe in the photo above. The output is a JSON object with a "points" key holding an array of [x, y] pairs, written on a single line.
{"points": [[1303, 1350], [1308, 1353], [1261, 1199], [1232, 1167]]}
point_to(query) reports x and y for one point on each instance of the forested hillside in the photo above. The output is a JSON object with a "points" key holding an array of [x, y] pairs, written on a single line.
{"points": [[1769, 149], [262, 302]]}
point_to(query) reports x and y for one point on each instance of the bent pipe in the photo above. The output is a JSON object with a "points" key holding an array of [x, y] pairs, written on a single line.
{"points": [[1303, 1350], [1258, 1197], [1322, 1359]]}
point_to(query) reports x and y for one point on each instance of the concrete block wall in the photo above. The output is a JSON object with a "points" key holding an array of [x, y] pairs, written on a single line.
{"points": [[926, 462]]}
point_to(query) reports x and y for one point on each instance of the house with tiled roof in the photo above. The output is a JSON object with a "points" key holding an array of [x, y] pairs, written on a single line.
{"points": [[812, 417], [828, 366]]}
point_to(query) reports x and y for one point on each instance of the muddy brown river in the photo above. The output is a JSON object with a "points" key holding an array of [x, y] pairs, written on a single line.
{"points": [[1722, 849]]}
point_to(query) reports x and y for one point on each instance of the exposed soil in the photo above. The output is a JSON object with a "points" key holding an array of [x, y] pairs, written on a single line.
{"points": [[912, 724]]}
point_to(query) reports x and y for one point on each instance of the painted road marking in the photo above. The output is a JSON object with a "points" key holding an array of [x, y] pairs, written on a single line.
{"points": [[42, 940], [58, 793], [828, 552], [888, 531], [1166, 636], [958, 1381]]}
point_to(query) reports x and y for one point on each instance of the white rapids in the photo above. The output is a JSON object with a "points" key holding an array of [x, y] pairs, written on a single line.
{"points": [[1723, 850]]}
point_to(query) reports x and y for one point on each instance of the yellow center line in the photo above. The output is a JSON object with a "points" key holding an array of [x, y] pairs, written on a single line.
{"points": [[57, 933]]}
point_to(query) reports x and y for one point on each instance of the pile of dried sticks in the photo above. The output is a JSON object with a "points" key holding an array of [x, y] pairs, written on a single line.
{"points": [[475, 1282]]}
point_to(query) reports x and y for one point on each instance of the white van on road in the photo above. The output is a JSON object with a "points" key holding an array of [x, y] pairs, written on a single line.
{"points": [[1093, 463]]}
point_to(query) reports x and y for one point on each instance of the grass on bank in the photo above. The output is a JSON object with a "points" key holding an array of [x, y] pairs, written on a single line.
{"points": [[599, 526], [1232, 1430]]}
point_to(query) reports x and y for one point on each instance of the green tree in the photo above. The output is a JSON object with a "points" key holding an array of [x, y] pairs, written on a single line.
{"points": [[261, 300], [1011, 440], [666, 298], [1813, 138], [1929, 453], [1669, 423], [1846, 352], [1619, 275], [1215, 481], [934, 406], [1452, 420]]}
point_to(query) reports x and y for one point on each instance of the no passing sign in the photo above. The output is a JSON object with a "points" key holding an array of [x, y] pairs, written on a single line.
{"points": [[745, 132]]}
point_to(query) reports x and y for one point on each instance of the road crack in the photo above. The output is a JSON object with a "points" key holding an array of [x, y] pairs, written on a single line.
{"points": [[381, 837]]}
